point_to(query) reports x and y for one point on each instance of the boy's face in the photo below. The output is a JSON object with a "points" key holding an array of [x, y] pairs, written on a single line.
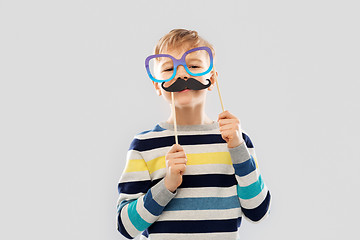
{"points": [[188, 97]]}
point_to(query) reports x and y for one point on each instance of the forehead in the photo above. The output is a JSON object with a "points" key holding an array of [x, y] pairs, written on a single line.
{"points": [[178, 50], [198, 56]]}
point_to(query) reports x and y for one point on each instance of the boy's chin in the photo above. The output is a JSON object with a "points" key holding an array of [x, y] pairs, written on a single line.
{"points": [[186, 101]]}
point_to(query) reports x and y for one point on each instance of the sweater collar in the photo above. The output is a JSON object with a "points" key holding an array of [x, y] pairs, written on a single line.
{"points": [[200, 127]]}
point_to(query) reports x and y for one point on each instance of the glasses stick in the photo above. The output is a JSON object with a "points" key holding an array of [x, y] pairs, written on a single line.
{"points": [[217, 85], [173, 107]]}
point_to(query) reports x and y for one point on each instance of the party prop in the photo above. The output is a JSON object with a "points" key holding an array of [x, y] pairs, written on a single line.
{"points": [[217, 85], [182, 84], [162, 68], [173, 107]]}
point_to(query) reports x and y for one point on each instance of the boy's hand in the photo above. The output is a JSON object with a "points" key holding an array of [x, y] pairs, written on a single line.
{"points": [[175, 167], [230, 129]]}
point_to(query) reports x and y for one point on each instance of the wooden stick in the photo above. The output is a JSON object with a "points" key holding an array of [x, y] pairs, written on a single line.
{"points": [[173, 107], [217, 85]]}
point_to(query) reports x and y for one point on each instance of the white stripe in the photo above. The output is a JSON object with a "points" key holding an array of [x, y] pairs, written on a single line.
{"points": [[248, 179], [133, 154], [255, 201], [200, 214], [155, 153], [206, 192], [167, 133], [192, 236], [142, 237], [134, 176], [188, 149], [155, 134], [209, 169], [124, 196], [206, 148], [252, 152]]}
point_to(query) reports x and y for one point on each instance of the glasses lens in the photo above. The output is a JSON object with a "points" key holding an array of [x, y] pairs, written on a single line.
{"points": [[161, 68], [198, 62]]}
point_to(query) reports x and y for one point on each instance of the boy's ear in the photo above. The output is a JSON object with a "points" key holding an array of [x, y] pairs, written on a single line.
{"points": [[157, 88], [213, 76]]}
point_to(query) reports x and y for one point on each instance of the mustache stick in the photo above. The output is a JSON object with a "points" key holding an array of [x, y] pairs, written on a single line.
{"points": [[173, 107], [217, 85], [192, 85]]}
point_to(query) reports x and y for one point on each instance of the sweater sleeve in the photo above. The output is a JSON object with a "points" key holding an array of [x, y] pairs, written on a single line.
{"points": [[139, 204], [252, 191]]}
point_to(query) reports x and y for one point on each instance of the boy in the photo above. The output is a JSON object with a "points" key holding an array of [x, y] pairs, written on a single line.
{"points": [[203, 186]]}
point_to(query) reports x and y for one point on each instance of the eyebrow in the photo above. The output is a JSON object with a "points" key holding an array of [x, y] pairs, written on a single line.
{"points": [[168, 61], [195, 60]]}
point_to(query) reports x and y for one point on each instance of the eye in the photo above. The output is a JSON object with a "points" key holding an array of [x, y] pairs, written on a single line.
{"points": [[194, 66], [169, 69]]}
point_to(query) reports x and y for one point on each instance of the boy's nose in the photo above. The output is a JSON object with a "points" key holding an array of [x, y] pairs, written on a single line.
{"points": [[181, 72]]}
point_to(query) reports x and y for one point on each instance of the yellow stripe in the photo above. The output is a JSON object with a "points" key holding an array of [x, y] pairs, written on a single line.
{"points": [[255, 162], [193, 159], [135, 165], [156, 164]]}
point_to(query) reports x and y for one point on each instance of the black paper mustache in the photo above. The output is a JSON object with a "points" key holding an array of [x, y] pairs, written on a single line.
{"points": [[182, 84]]}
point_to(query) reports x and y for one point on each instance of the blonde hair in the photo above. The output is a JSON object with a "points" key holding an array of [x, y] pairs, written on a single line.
{"points": [[177, 37]]}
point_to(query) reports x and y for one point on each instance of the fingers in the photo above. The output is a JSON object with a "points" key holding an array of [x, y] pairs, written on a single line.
{"points": [[228, 134], [175, 156], [229, 127], [227, 121], [176, 152], [170, 162], [176, 148], [180, 154], [175, 161], [231, 122], [178, 169], [226, 115]]}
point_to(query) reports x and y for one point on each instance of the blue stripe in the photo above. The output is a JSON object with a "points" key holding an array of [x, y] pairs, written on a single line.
{"points": [[199, 226], [257, 213], [134, 187], [139, 223], [252, 190], [157, 128], [208, 180], [203, 203], [145, 233], [122, 204], [239, 222], [151, 205], [189, 181], [247, 140], [244, 168], [159, 142]]}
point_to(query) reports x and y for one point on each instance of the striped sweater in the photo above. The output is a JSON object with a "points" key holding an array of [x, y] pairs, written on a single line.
{"points": [[220, 186]]}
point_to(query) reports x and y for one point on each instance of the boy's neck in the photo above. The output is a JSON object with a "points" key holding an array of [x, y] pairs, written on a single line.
{"points": [[194, 115]]}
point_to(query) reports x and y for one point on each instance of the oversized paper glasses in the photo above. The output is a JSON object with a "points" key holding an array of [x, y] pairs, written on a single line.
{"points": [[162, 68]]}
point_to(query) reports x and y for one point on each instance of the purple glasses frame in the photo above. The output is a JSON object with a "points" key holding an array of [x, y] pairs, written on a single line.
{"points": [[178, 62]]}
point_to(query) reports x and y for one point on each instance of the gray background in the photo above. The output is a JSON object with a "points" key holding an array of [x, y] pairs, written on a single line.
{"points": [[74, 92]]}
